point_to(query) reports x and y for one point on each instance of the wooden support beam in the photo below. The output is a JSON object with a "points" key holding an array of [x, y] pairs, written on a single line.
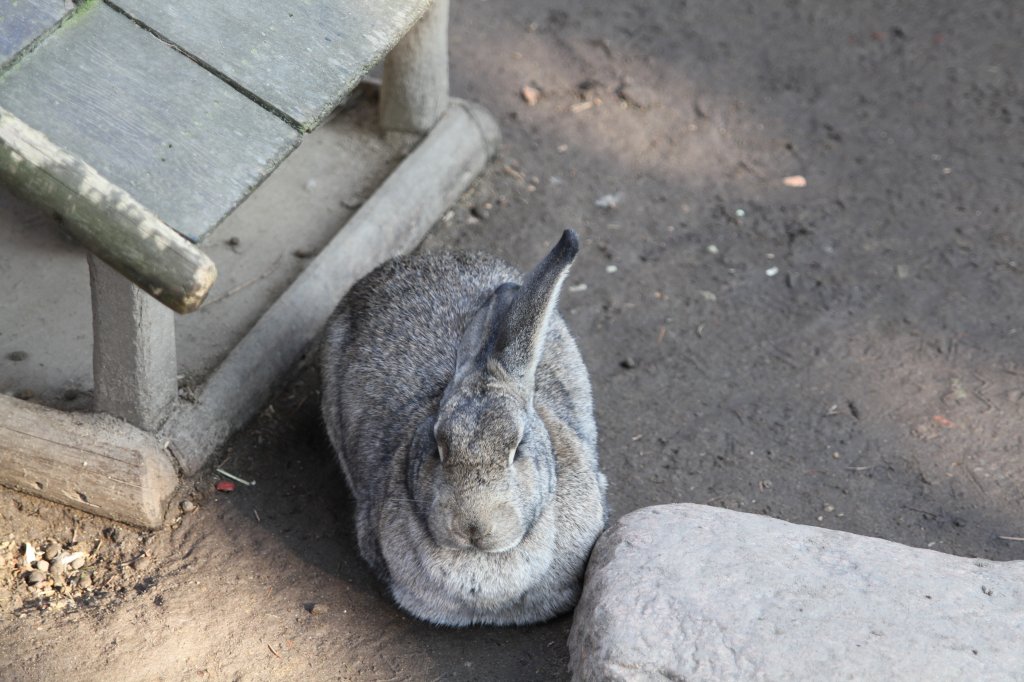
{"points": [[134, 365], [106, 219], [414, 93], [92, 462]]}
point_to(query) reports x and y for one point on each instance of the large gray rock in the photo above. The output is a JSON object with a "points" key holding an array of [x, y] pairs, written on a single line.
{"points": [[687, 592]]}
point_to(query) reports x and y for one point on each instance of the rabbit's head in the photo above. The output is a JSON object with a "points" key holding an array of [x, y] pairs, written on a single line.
{"points": [[487, 469]]}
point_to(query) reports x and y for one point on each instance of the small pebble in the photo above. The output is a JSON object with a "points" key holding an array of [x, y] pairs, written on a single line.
{"points": [[530, 95], [35, 577], [43, 565], [772, 271], [740, 213], [712, 249], [188, 506], [56, 567], [85, 580], [51, 550], [17, 356], [611, 269], [628, 363], [141, 564], [78, 563], [318, 609]]}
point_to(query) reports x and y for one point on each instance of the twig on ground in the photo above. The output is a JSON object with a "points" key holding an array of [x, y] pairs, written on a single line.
{"points": [[132, 560], [921, 511], [234, 478], [974, 477]]}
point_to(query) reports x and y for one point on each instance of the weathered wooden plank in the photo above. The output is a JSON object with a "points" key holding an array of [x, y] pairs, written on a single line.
{"points": [[299, 57], [92, 462], [24, 21], [183, 143], [106, 219]]}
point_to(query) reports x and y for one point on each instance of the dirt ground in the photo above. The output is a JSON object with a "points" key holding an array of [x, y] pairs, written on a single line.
{"points": [[845, 354]]}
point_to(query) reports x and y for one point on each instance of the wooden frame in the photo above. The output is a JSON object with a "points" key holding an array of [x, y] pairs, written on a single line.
{"points": [[127, 470]]}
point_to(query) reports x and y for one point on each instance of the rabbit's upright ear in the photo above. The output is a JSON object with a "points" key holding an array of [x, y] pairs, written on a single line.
{"points": [[510, 328], [521, 332]]}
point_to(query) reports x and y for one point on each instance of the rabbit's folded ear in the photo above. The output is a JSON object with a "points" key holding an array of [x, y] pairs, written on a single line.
{"points": [[511, 327]]}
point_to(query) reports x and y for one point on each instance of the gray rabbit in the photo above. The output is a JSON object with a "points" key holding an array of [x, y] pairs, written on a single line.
{"points": [[461, 413]]}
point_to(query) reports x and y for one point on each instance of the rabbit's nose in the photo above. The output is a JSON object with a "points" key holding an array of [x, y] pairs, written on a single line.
{"points": [[477, 533]]}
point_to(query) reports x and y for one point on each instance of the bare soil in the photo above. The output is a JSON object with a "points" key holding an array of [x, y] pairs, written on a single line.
{"points": [[845, 354]]}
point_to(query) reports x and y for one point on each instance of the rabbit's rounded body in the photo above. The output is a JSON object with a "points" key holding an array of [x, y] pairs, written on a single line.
{"points": [[462, 537]]}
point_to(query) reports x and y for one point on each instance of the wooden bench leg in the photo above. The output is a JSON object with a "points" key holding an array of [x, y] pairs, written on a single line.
{"points": [[133, 361], [414, 93]]}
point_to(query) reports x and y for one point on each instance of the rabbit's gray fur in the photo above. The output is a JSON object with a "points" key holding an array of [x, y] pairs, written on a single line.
{"points": [[440, 349]]}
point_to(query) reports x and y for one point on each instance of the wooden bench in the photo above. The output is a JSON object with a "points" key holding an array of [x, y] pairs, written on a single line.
{"points": [[143, 124]]}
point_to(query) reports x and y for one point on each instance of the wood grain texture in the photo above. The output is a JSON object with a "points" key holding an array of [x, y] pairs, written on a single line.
{"points": [[181, 141], [24, 21], [300, 57], [91, 462], [106, 219]]}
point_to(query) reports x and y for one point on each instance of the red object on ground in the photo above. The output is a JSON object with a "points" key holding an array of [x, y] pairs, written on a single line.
{"points": [[225, 486]]}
